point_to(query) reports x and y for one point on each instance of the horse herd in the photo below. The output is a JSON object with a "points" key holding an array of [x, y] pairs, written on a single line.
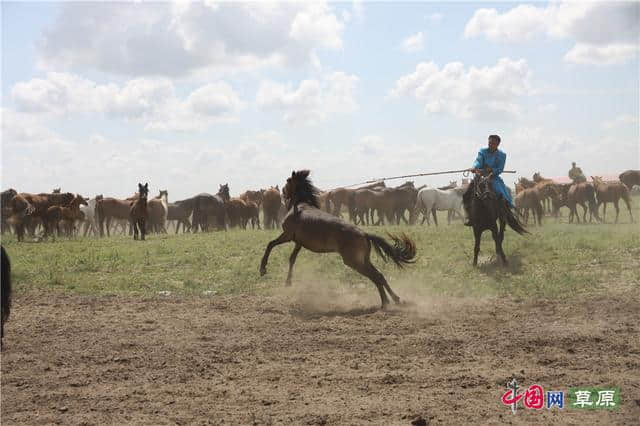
{"points": [[542, 195], [69, 214]]}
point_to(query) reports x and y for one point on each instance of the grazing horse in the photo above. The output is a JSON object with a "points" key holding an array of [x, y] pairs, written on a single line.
{"points": [[6, 291], [630, 178], [429, 200], [314, 229], [138, 214], [486, 209], [611, 192]]}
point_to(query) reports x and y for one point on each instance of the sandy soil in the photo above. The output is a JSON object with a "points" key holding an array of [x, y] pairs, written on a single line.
{"points": [[308, 356]]}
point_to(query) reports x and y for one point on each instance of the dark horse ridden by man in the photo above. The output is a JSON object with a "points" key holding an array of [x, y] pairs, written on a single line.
{"points": [[487, 208], [314, 229]]}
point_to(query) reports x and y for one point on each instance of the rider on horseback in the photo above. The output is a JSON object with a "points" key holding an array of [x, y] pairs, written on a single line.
{"points": [[492, 160]]}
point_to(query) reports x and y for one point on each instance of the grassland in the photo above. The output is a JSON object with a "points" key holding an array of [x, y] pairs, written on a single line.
{"points": [[557, 260]]}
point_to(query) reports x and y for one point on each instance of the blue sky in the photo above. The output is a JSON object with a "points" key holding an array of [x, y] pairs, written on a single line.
{"points": [[99, 96]]}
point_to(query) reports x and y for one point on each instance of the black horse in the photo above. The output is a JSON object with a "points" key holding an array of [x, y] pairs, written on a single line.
{"points": [[6, 291], [207, 206], [486, 209]]}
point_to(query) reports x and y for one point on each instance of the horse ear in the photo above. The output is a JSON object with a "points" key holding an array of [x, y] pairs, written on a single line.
{"points": [[293, 173]]}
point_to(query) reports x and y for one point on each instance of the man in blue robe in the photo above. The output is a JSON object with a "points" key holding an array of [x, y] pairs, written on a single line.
{"points": [[491, 159]]}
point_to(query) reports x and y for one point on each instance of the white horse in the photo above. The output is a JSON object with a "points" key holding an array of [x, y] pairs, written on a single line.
{"points": [[89, 212], [431, 199]]}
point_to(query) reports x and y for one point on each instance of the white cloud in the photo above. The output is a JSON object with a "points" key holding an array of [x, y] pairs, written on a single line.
{"points": [[623, 120], [484, 93], [187, 38], [414, 43], [548, 108], [611, 54], [605, 32], [151, 101], [313, 101]]}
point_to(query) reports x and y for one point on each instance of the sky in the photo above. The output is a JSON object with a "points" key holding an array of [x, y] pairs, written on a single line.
{"points": [[98, 96]]}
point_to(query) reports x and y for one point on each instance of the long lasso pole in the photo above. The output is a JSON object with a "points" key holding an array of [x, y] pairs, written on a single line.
{"points": [[464, 171]]}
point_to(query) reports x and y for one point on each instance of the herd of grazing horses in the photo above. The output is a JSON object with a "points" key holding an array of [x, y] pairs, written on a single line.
{"points": [[69, 214]]}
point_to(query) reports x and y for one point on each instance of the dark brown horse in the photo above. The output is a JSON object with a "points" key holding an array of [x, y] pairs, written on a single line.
{"points": [[611, 192], [138, 213], [630, 178], [486, 209], [207, 207], [6, 291], [582, 194], [180, 211], [7, 196], [314, 229]]}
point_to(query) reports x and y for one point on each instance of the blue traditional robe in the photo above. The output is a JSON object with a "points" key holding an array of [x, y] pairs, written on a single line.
{"points": [[496, 161]]}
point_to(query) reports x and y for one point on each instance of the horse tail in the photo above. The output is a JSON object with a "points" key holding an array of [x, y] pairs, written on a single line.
{"points": [[6, 288], [402, 252], [513, 221]]}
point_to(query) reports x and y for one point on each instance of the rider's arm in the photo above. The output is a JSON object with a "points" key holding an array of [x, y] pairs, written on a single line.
{"points": [[479, 163]]}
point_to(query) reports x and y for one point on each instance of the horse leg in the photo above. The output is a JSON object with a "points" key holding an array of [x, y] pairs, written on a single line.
{"points": [[292, 261], [497, 238], [364, 267], [615, 204], [604, 212], [282, 238], [628, 203], [143, 228], [477, 234], [435, 218]]}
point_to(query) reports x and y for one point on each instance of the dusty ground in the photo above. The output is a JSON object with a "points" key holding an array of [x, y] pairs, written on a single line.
{"points": [[299, 358]]}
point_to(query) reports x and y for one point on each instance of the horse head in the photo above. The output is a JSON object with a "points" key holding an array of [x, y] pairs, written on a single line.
{"points": [[597, 180], [163, 192], [299, 189], [223, 192], [143, 190], [56, 190], [483, 188]]}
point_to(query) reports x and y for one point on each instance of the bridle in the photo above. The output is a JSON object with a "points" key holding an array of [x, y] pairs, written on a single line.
{"points": [[482, 187]]}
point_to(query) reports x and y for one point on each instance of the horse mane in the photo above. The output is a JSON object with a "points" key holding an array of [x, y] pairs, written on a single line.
{"points": [[304, 192]]}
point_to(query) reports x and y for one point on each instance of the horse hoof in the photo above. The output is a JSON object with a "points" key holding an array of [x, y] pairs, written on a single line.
{"points": [[263, 272]]}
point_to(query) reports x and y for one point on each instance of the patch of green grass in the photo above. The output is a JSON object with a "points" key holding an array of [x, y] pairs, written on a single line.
{"points": [[556, 260]]}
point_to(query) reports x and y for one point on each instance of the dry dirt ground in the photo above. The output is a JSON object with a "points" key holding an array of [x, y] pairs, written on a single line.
{"points": [[310, 357]]}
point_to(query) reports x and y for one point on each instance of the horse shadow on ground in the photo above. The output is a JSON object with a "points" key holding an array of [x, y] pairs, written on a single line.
{"points": [[494, 267]]}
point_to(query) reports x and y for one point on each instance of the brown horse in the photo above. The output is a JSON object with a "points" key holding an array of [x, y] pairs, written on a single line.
{"points": [[630, 178], [251, 214], [109, 209], [310, 227], [582, 194], [6, 198], [253, 196], [526, 200], [235, 212], [271, 201], [340, 196], [180, 212], [138, 213], [611, 192], [67, 215]]}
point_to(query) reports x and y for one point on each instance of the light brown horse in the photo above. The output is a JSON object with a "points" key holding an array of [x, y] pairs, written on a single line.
{"points": [[109, 209], [340, 196], [271, 201], [158, 209], [611, 192], [235, 208], [310, 227], [138, 213], [253, 196], [582, 194], [527, 200]]}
